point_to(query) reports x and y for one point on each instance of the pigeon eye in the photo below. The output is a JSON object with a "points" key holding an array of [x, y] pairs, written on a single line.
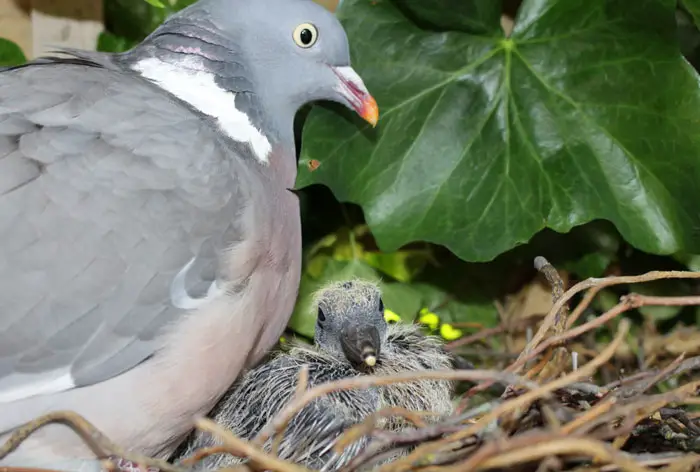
{"points": [[305, 35], [321, 316]]}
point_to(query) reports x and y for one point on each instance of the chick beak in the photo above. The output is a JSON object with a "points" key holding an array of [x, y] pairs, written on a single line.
{"points": [[353, 89], [369, 356], [361, 344]]}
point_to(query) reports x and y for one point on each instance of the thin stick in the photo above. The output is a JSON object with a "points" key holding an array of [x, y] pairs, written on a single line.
{"points": [[557, 284], [599, 409], [98, 443], [517, 402], [246, 449], [615, 311], [599, 283], [202, 453], [365, 427], [589, 447], [484, 333], [368, 381]]}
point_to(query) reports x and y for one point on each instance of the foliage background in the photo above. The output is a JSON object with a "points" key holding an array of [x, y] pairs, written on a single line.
{"points": [[573, 135]]}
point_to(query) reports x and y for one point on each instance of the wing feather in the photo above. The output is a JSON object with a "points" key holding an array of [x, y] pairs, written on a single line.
{"points": [[108, 187]]}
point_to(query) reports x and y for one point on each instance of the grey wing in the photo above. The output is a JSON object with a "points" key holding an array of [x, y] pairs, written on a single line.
{"points": [[308, 439], [108, 188]]}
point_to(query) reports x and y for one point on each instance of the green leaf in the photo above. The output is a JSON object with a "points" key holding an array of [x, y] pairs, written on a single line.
{"points": [[156, 3], [691, 261], [588, 111], [108, 42], [476, 16], [693, 7], [135, 20], [10, 53]]}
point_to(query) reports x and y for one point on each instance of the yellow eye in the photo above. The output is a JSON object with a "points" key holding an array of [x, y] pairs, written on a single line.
{"points": [[305, 35]]}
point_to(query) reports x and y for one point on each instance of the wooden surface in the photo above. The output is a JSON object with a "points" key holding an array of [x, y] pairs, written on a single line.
{"points": [[66, 23], [15, 23]]}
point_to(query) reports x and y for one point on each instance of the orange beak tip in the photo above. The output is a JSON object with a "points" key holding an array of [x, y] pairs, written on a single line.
{"points": [[370, 111]]}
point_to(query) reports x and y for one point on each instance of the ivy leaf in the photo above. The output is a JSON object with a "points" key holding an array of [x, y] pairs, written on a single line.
{"points": [[134, 20], [475, 16], [10, 53], [588, 111], [693, 7], [155, 3], [108, 42]]}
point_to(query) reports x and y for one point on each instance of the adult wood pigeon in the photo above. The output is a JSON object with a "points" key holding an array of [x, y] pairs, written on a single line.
{"points": [[149, 243]]}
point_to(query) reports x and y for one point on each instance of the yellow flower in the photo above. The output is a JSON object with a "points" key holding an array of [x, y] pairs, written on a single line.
{"points": [[429, 318], [449, 332], [391, 317]]}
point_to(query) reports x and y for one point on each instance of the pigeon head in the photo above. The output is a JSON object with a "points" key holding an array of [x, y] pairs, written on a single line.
{"points": [[251, 64], [350, 321]]}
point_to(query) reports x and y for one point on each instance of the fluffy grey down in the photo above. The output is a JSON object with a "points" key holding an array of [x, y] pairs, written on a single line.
{"points": [[262, 392]]}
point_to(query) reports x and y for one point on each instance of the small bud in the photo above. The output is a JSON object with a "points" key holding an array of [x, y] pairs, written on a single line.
{"points": [[391, 317], [449, 332], [429, 318]]}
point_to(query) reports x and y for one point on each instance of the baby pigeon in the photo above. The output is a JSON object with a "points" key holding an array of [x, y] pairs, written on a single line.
{"points": [[150, 246], [352, 338]]}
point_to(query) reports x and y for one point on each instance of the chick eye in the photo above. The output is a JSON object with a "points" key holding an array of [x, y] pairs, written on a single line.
{"points": [[321, 317], [381, 305], [305, 35]]}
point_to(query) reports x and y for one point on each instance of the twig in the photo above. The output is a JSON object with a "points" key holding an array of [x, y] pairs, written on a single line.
{"points": [[201, 454], [100, 445], [368, 381], [518, 402], [560, 446], [355, 432], [656, 402], [582, 305], [615, 311], [245, 449], [486, 333], [646, 384], [465, 340], [652, 460], [588, 416], [557, 284], [599, 283]]}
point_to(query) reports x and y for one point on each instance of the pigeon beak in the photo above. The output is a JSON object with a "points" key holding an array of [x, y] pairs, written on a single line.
{"points": [[361, 344], [354, 91]]}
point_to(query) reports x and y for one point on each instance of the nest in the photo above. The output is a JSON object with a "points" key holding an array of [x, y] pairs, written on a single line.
{"points": [[551, 415]]}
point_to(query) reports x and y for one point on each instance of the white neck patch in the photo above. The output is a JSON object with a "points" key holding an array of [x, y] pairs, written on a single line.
{"points": [[199, 89]]}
